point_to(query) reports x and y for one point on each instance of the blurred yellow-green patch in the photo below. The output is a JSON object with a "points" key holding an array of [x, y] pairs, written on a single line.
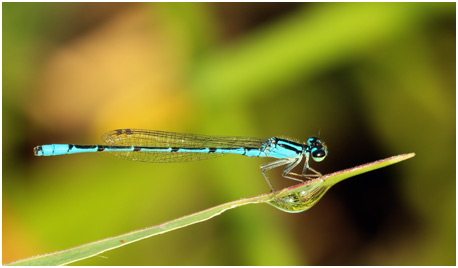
{"points": [[370, 79]]}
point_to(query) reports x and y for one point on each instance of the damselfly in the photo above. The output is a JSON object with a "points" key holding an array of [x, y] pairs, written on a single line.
{"points": [[166, 147]]}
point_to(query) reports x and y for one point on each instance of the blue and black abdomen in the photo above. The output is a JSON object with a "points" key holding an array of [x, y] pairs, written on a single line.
{"points": [[160, 146]]}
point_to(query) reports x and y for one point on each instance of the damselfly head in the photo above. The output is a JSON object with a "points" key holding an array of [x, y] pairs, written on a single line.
{"points": [[318, 149]]}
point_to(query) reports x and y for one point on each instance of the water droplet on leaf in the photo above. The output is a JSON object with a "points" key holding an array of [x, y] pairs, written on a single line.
{"points": [[299, 201]]}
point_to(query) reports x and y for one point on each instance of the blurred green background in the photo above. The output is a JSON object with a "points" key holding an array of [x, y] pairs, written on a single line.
{"points": [[371, 79]]}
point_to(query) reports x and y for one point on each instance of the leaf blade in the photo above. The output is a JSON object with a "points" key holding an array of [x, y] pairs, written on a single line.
{"points": [[97, 247]]}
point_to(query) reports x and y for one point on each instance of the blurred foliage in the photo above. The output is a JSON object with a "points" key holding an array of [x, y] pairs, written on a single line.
{"points": [[372, 79]]}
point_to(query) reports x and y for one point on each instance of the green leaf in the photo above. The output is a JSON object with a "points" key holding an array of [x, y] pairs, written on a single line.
{"points": [[294, 199], [301, 197]]}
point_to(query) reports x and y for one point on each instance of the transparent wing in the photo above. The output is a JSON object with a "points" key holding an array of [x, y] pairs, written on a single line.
{"points": [[162, 139]]}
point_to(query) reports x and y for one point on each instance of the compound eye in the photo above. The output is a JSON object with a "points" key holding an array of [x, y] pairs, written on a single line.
{"points": [[313, 141], [318, 155]]}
